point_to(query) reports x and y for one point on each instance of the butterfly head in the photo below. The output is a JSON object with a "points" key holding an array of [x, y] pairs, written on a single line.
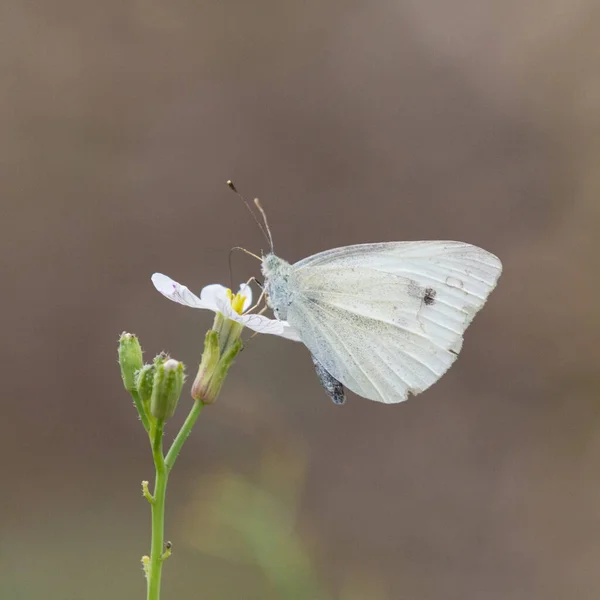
{"points": [[277, 273], [272, 265]]}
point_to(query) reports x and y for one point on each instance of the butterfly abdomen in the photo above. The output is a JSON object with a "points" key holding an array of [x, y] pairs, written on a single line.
{"points": [[333, 387]]}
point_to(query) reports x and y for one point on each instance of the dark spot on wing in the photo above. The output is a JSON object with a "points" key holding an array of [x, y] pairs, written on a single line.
{"points": [[429, 297], [334, 389]]}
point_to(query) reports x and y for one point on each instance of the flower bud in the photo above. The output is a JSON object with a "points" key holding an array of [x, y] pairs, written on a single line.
{"points": [[214, 367], [166, 388], [130, 359], [144, 380], [160, 359], [210, 358], [221, 370]]}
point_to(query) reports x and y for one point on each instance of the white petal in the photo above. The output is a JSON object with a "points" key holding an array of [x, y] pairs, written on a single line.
{"points": [[215, 296], [289, 333], [262, 324], [246, 291], [177, 292]]}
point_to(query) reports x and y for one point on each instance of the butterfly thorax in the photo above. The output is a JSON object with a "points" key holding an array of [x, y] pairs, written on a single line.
{"points": [[278, 275]]}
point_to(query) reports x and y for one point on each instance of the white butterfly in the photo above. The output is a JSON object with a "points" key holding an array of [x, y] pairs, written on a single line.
{"points": [[383, 319]]}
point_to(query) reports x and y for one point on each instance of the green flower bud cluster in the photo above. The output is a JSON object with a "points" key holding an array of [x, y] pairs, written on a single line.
{"points": [[155, 387]]}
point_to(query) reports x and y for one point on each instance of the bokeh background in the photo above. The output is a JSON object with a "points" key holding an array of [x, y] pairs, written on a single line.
{"points": [[352, 121]]}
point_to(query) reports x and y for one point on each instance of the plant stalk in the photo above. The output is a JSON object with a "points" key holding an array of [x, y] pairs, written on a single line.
{"points": [[158, 514], [183, 434]]}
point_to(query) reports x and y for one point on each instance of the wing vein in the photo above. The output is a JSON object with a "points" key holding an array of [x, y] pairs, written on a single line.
{"points": [[418, 276], [323, 306], [355, 311], [356, 362]]}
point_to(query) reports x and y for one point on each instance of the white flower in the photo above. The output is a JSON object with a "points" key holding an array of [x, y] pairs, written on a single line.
{"points": [[220, 299]]}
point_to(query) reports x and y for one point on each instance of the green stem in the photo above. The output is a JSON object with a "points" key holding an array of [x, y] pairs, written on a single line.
{"points": [[158, 514], [183, 434], [141, 409]]}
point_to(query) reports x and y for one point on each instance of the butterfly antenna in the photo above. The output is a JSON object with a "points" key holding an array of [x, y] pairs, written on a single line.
{"points": [[245, 252], [260, 226], [229, 260], [264, 216]]}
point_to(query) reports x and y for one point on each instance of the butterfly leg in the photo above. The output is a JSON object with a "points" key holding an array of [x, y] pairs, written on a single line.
{"points": [[334, 389], [260, 299]]}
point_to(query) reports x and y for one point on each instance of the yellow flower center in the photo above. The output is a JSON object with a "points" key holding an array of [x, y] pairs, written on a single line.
{"points": [[237, 301]]}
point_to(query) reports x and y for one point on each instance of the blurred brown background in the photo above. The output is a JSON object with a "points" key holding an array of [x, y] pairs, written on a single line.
{"points": [[352, 121]]}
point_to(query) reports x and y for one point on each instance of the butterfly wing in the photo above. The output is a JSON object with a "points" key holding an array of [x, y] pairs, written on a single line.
{"points": [[388, 319]]}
